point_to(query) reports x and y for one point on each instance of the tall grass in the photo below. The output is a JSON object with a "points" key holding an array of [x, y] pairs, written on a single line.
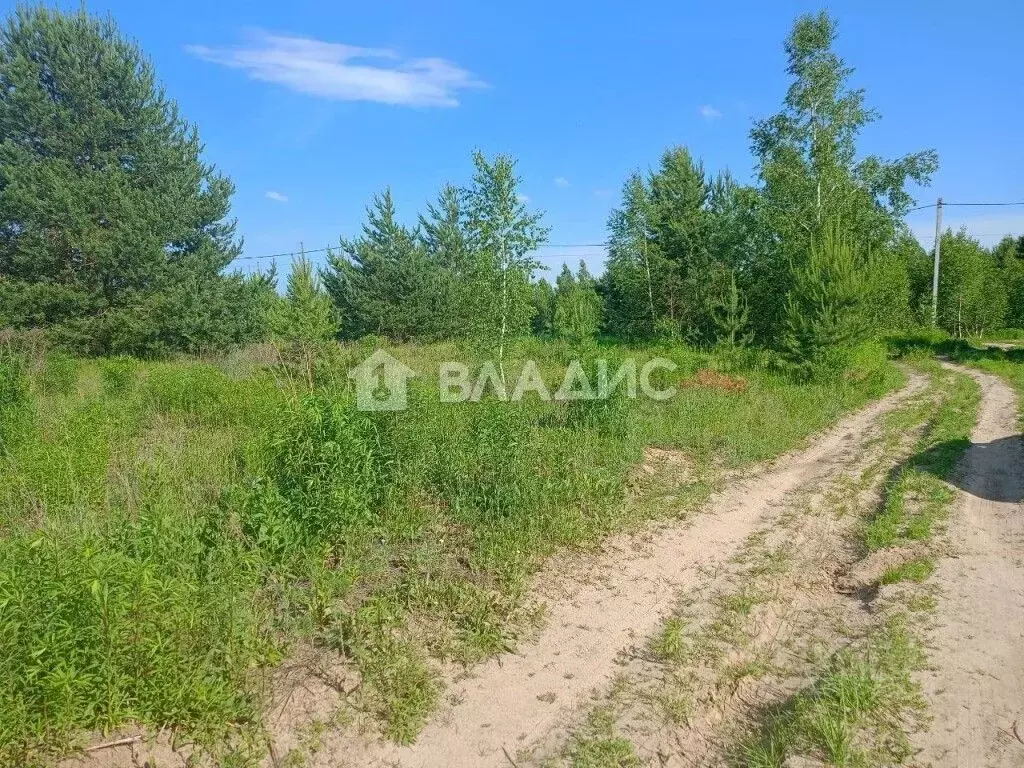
{"points": [[170, 529]]}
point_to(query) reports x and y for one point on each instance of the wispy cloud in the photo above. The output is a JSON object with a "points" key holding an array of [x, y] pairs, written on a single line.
{"points": [[523, 198], [561, 181], [708, 112], [343, 72], [277, 197]]}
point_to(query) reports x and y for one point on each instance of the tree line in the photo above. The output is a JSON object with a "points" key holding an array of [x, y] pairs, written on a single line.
{"points": [[116, 236]]}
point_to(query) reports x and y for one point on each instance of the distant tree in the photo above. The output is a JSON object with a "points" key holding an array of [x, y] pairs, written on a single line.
{"points": [[973, 298], [448, 242], [383, 282], [731, 316], [810, 173], [577, 305], [1009, 257], [505, 234], [634, 264], [113, 231], [543, 308]]}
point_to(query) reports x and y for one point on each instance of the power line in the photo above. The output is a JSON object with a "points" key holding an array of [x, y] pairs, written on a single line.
{"points": [[331, 248], [606, 244], [946, 205]]}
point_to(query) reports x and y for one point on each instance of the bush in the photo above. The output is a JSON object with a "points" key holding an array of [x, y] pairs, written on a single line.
{"points": [[119, 375], [321, 475]]}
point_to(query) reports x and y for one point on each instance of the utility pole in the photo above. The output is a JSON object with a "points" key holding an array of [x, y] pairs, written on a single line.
{"points": [[935, 274]]}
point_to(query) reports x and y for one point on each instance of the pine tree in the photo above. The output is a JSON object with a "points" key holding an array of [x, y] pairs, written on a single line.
{"points": [[113, 231], [448, 244], [827, 307], [731, 316], [305, 320], [384, 282]]}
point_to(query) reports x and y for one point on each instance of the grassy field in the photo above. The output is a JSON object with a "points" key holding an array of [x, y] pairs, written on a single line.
{"points": [[170, 532]]}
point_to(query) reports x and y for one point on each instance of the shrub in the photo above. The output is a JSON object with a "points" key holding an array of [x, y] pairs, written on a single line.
{"points": [[119, 375], [320, 475]]}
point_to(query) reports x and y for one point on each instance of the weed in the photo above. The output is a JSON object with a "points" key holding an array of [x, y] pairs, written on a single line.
{"points": [[119, 375], [917, 570], [60, 374], [599, 747], [169, 529], [670, 644]]}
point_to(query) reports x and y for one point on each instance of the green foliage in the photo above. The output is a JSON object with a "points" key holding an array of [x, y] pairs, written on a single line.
{"points": [[136, 266], [673, 242], [849, 712], [14, 385], [320, 475], [543, 308], [826, 309], [505, 234], [305, 321], [577, 306], [385, 282], [731, 316], [166, 538], [811, 175], [119, 375], [918, 498], [60, 374], [146, 619], [973, 295]]}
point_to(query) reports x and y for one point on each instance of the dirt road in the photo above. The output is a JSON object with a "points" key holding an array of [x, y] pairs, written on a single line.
{"points": [[517, 699], [976, 688]]}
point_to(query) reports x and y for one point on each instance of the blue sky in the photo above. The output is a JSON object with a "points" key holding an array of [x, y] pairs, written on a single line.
{"points": [[311, 107]]}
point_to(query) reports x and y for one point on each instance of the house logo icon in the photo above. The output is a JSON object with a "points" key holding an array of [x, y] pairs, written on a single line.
{"points": [[381, 381]]}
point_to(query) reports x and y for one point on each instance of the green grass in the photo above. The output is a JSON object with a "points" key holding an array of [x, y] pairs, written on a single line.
{"points": [[915, 570], [597, 746], [917, 496], [169, 530], [851, 716]]}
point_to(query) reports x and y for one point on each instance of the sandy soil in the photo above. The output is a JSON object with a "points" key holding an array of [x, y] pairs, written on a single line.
{"points": [[622, 597], [976, 688]]}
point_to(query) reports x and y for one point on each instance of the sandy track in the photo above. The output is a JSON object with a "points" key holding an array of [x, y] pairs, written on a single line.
{"points": [[976, 690], [517, 699]]}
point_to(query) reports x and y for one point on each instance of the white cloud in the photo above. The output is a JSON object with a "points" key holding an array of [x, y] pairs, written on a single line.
{"points": [[602, 192], [561, 181], [523, 198], [277, 197], [343, 72], [708, 112]]}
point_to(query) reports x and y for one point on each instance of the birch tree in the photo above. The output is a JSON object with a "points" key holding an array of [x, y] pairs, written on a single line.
{"points": [[505, 234]]}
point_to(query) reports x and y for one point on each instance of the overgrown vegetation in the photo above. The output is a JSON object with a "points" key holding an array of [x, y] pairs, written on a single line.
{"points": [[171, 530]]}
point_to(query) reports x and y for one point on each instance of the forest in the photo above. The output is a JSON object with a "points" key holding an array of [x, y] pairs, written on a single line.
{"points": [[116, 236]]}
